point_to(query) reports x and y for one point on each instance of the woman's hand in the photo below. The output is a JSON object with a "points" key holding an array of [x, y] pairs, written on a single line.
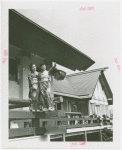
{"points": [[54, 64]]}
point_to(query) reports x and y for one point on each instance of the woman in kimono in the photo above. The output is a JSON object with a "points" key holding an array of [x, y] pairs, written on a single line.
{"points": [[44, 78], [44, 89], [33, 88]]}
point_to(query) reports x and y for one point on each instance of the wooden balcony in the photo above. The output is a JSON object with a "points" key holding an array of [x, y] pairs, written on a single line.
{"points": [[57, 124], [36, 123]]}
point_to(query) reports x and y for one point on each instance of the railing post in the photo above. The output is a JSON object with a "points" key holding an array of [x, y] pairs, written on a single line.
{"points": [[71, 122], [98, 120], [108, 121], [68, 116], [64, 137], [35, 123], [100, 135], [89, 121], [85, 136], [104, 121]]}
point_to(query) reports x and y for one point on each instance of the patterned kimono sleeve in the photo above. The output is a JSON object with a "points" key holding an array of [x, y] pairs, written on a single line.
{"points": [[49, 77]]}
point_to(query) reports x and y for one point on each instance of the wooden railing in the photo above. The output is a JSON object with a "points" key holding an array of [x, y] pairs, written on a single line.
{"points": [[43, 123], [36, 127], [27, 123]]}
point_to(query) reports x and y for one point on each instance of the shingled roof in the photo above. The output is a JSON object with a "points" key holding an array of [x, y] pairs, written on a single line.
{"points": [[82, 84]]}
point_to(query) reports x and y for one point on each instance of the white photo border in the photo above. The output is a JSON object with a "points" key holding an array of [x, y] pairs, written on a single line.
{"points": [[13, 144]]}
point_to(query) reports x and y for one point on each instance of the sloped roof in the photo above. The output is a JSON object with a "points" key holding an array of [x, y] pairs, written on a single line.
{"points": [[63, 86], [32, 38], [82, 85]]}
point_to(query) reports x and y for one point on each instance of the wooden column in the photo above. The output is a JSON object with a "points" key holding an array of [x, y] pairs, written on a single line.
{"points": [[88, 105], [67, 106], [68, 111], [23, 81]]}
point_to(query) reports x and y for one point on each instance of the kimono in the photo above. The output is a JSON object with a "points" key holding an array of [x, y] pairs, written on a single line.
{"points": [[44, 90], [33, 90]]}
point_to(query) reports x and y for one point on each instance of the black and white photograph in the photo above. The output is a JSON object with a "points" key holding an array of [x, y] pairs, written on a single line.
{"points": [[61, 74]]}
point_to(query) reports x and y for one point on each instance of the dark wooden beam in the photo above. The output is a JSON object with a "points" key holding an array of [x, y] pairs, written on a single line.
{"points": [[27, 101], [19, 101], [57, 115], [23, 120], [31, 131], [13, 106], [19, 132]]}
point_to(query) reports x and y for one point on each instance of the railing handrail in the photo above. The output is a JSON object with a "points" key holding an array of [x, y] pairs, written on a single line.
{"points": [[79, 113]]}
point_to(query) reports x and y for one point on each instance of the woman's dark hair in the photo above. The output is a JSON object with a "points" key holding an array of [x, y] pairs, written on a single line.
{"points": [[43, 64], [104, 116], [31, 66]]}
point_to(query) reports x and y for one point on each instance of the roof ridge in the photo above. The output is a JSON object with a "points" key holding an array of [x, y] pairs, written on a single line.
{"points": [[84, 72]]}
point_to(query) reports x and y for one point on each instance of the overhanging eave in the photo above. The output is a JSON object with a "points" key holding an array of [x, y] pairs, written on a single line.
{"points": [[31, 38]]}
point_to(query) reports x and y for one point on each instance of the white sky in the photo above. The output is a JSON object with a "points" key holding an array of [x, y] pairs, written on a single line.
{"points": [[96, 32]]}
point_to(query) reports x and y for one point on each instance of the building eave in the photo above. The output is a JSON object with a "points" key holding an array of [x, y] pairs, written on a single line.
{"points": [[74, 96], [107, 88], [32, 38]]}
